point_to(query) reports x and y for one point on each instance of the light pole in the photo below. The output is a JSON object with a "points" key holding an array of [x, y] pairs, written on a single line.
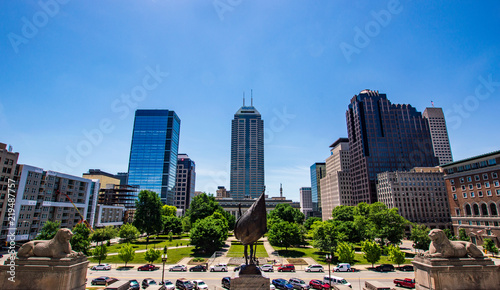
{"points": [[328, 258], [164, 260]]}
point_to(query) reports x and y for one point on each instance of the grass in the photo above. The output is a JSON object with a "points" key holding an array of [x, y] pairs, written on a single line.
{"points": [[157, 243], [237, 250], [174, 256]]}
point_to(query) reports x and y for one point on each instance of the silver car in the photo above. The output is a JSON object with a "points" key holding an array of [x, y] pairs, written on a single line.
{"points": [[267, 268], [298, 283], [314, 268], [178, 268]]}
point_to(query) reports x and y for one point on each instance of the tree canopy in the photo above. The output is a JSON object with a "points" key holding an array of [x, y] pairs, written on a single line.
{"points": [[310, 221], [372, 251], [128, 232], [205, 205], [420, 237], [169, 210], [172, 224], [48, 231], [208, 234], [148, 214], [126, 253], [80, 242], [287, 213], [284, 234]]}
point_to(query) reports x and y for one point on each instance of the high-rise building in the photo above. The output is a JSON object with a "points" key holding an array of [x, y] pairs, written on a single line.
{"points": [[153, 153], [336, 185], [439, 134], [184, 187], [247, 153], [9, 177], [305, 201], [473, 187], [384, 137], [419, 195], [318, 171]]}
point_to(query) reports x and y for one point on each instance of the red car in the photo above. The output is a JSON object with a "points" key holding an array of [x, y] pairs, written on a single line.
{"points": [[147, 267], [287, 268], [318, 284]]}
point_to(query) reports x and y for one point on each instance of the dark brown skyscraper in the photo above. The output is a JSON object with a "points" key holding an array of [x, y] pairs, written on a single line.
{"points": [[384, 137]]}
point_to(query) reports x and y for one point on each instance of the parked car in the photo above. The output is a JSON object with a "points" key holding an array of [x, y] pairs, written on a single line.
{"points": [[181, 268], [103, 280], [101, 267], [134, 285], [384, 268], [407, 282], [282, 284], [318, 284], [287, 268], [199, 284], [334, 280], [147, 267], [298, 284], [267, 268], [218, 268], [405, 268], [148, 281], [226, 282], [168, 285], [198, 268], [184, 284], [314, 268], [271, 287], [343, 267], [376, 285], [237, 268]]}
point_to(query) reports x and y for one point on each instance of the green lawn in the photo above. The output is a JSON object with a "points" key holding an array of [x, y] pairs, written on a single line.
{"points": [[174, 256], [237, 249], [157, 243]]}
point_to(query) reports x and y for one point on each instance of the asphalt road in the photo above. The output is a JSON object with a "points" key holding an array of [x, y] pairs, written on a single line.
{"points": [[213, 279]]}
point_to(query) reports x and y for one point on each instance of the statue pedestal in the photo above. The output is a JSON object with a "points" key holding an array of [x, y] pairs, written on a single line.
{"points": [[45, 273], [456, 273], [254, 282]]}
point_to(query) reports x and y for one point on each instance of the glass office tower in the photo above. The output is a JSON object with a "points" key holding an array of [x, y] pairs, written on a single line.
{"points": [[153, 153], [318, 171]]}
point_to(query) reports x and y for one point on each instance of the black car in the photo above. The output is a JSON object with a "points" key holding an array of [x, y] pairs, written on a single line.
{"points": [[406, 268], [198, 268], [226, 282], [148, 281], [134, 285], [384, 268]]}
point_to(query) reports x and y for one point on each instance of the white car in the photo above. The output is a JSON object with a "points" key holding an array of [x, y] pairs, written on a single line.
{"points": [[178, 268], [267, 268], [101, 267], [333, 280], [199, 284], [343, 267], [314, 268], [218, 268]]}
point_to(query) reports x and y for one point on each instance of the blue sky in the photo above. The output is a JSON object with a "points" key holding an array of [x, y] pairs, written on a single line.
{"points": [[73, 72]]}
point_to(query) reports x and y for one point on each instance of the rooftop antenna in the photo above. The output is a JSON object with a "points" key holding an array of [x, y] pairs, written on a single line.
{"points": [[432, 103], [281, 190], [251, 97], [243, 99]]}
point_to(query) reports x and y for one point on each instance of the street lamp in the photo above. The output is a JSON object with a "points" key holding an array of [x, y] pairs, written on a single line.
{"points": [[164, 260], [328, 258]]}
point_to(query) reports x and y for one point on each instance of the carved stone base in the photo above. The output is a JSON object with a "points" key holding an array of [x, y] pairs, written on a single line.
{"points": [[45, 273], [254, 282], [456, 273]]}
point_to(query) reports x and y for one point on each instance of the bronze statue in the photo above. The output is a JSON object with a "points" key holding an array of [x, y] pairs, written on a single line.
{"points": [[251, 226]]}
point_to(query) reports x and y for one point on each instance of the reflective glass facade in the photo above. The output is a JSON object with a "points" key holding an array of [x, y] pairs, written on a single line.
{"points": [[153, 153], [318, 171]]}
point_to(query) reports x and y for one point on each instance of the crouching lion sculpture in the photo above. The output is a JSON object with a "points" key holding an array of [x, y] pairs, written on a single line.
{"points": [[442, 247], [58, 247]]}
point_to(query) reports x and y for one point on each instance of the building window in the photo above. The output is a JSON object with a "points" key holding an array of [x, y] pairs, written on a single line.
{"points": [[455, 196], [452, 181], [480, 193], [465, 194], [472, 194], [469, 179], [457, 211], [493, 209], [471, 186], [478, 185], [485, 176], [487, 184], [484, 209], [494, 175], [475, 207], [463, 187], [468, 211], [453, 189], [459, 222], [496, 183], [498, 191], [488, 232], [478, 223], [476, 177]]}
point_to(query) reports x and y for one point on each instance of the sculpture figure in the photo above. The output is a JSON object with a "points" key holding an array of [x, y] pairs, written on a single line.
{"points": [[58, 247], [442, 247], [251, 226]]}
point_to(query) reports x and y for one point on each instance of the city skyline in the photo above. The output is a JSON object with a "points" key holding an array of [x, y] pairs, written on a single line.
{"points": [[71, 85]]}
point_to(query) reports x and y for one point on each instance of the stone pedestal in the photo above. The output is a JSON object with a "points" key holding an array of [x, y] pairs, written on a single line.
{"points": [[254, 282], [45, 273], [456, 274]]}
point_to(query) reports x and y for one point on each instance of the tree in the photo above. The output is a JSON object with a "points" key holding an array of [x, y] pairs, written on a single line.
{"points": [[449, 234], [104, 234], [208, 234], [147, 218], [420, 237], [186, 224], [372, 251], [128, 232], [152, 255], [326, 237], [396, 255], [100, 253], [80, 242], [489, 246], [169, 210], [126, 253], [48, 231], [345, 253], [387, 223], [284, 234], [202, 206], [287, 213], [172, 224], [462, 235], [310, 221], [231, 219]]}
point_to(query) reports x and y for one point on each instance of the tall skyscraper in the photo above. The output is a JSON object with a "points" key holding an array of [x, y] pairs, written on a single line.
{"points": [[318, 171], [336, 185], [305, 201], [186, 177], [439, 134], [153, 153], [384, 137], [247, 153]]}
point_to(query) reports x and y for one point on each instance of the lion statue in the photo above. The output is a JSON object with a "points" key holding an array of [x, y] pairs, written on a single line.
{"points": [[58, 247], [442, 247]]}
